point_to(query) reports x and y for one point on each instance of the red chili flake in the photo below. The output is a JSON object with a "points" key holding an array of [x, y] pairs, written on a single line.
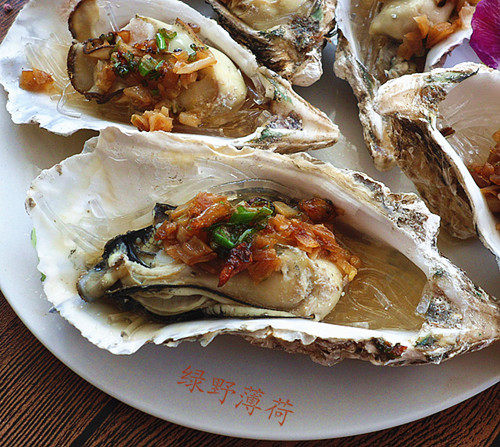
{"points": [[239, 259]]}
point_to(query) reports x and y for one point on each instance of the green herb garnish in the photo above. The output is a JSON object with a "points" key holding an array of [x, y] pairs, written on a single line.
{"points": [[147, 65], [124, 63], [244, 215], [161, 42], [247, 235], [193, 54], [164, 36], [222, 237], [168, 35]]}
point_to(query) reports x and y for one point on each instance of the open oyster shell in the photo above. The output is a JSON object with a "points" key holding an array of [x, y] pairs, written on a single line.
{"points": [[453, 315], [286, 36], [40, 38], [441, 124], [367, 61]]}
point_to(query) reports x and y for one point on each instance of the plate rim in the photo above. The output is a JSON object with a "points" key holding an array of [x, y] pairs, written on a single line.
{"points": [[11, 296], [374, 427]]}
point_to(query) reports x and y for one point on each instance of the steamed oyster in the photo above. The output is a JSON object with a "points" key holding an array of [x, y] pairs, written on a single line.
{"points": [[443, 125], [383, 40], [237, 254], [170, 67], [406, 304], [286, 35]]}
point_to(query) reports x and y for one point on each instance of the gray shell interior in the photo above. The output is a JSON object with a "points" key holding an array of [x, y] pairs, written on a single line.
{"points": [[465, 99]]}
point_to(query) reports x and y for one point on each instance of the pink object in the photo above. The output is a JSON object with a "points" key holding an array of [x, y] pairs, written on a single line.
{"points": [[485, 39]]}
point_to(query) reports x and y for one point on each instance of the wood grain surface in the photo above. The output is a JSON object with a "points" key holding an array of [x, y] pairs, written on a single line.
{"points": [[43, 403]]}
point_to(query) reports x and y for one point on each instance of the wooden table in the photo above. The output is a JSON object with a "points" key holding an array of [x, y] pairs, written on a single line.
{"points": [[43, 403]]}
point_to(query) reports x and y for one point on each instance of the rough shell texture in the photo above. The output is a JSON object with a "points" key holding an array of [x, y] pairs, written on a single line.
{"points": [[100, 203], [42, 29], [366, 76], [465, 98], [292, 49]]}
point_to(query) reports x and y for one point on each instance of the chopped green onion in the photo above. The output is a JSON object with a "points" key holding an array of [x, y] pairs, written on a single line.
{"points": [[156, 73], [147, 65], [265, 212], [246, 235], [244, 215], [122, 69], [192, 55], [222, 237], [33, 237], [161, 43], [168, 35]]}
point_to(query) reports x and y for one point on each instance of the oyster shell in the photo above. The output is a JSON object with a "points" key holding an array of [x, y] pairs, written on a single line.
{"points": [[442, 123], [286, 36], [452, 315], [367, 57], [41, 30]]}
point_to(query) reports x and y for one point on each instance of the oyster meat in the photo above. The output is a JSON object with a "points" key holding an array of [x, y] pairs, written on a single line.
{"points": [[383, 40], [236, 254], [286, 35], [436, 313], [443, 123], [160, 64]]}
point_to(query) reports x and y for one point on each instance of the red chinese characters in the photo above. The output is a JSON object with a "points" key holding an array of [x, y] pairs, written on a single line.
{"points": [[250, 399], [221, 386], [279, 410], [192, 379]]}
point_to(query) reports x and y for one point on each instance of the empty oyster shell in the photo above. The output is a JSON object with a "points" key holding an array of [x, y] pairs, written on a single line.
{"points": [[286, 35], [370, 36], [442, 125], [287, 124], [435, 314]]}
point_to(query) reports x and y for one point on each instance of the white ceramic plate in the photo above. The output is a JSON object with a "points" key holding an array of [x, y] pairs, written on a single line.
{"points": [[350, 398]]}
